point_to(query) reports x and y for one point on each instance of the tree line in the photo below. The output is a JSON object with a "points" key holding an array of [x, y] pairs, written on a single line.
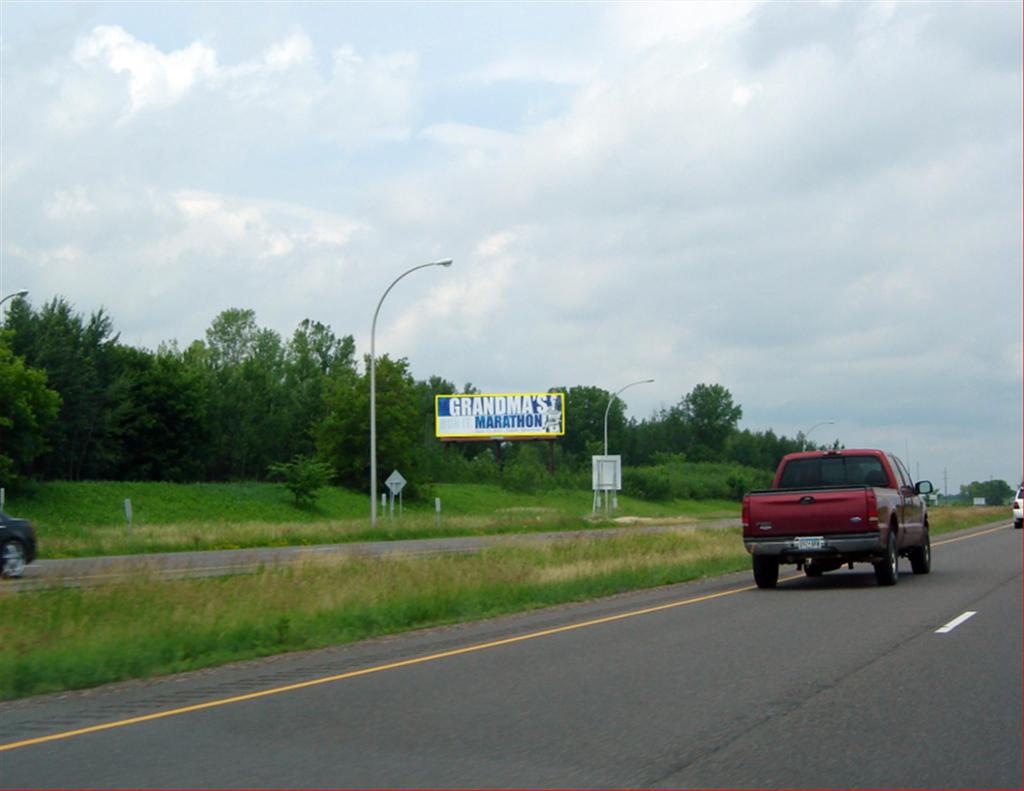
{"points": [[78, 404]]}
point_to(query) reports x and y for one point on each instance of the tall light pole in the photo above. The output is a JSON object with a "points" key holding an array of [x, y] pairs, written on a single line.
{"points": [[21, 293], [373, 388], [607, 409], [817, 425]]}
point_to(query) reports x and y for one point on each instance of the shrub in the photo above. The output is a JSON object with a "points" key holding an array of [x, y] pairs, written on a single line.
{"points": [[525, 474], [647, 483], [303, 477]]}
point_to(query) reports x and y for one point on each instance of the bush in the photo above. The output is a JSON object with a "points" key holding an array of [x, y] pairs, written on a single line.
{"points": [[647, 483], [303, 477], [525, 474], [677, 479]]}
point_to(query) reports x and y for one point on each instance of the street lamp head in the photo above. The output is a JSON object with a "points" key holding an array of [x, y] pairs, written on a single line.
{"points": [[20, 293], [445, 262]]}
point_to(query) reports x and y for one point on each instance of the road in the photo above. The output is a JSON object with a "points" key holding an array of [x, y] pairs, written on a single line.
{"points": [[821, 683]]}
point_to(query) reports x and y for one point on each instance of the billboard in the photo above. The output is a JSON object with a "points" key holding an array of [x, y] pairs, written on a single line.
{"points": [[504, 415]]}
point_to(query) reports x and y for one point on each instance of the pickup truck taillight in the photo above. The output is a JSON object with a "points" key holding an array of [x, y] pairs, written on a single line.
{"points": [[872, 500], [745, 518]]}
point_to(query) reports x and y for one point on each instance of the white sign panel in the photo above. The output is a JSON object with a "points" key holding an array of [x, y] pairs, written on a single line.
{"points": [[507, 415], [395, 482], [607, 473]]}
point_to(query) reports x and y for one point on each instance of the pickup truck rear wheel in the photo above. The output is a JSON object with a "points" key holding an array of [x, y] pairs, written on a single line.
{"points": [[887, 570], [766, 571], [921, 557]]}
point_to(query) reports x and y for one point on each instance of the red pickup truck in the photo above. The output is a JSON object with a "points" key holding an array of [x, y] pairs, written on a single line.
{"points": [[838, 507]]}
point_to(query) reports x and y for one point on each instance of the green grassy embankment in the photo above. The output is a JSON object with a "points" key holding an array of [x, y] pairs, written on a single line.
{"points": [[87, 519]]}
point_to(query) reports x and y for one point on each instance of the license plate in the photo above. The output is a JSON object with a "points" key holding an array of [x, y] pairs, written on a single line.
{"points": [[816, 542]]}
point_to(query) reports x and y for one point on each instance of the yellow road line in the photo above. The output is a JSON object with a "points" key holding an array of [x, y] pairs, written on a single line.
{"points": [[972, 535], [407, 662], [366, 671]]}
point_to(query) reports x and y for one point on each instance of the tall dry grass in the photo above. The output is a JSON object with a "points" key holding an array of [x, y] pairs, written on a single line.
{"points": [[73, 638]]}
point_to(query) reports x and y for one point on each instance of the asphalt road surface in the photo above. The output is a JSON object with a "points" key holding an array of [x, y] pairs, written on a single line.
{"points": [[821, 683]]}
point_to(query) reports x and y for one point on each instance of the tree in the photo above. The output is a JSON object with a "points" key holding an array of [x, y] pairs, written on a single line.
{"points": [[711, 417], [79, 359], [760, 449], [584, 423], [313, 355], [343, 436], [994, 492], [243, 366], [160, 417], [27, 409]]}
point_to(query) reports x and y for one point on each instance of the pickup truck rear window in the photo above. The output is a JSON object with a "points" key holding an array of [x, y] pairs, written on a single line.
{"points": [[834, 471]]}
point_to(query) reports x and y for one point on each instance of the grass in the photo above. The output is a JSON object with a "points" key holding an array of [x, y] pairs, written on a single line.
{"points": [[957, 517], [87, 519], [72, 638], [79, 637]]}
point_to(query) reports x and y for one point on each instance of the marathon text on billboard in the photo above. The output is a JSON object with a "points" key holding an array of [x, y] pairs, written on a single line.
{"points": [[513, 414]]}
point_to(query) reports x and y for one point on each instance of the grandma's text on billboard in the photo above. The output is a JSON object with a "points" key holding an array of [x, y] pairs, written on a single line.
{"points": [[505, 415]]}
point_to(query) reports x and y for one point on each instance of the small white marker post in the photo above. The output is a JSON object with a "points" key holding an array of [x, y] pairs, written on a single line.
{"points": [[128, 513], [3, 498], [437, 511]]}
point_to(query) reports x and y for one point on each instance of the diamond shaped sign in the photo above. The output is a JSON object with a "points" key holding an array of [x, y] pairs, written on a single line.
{"points": [[395, 482]]}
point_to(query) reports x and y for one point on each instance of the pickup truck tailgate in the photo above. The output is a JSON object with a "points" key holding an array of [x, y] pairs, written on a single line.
{"points": [[802, 513]]}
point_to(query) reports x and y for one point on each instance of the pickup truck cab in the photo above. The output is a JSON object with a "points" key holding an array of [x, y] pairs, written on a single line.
{"points": [[832, 508]]}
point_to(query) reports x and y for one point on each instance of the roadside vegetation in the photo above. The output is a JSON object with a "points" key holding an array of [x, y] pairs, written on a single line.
{"points": [[71, 638], [948, 518], [86, 519]]}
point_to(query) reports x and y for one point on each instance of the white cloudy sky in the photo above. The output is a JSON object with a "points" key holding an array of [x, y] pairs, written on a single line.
{"points": [[817, 205]]}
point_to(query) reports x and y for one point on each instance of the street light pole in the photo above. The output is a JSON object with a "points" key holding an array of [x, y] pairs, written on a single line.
{"points": [[373, 388], [20, 293], [817, 425], [606, 410]]}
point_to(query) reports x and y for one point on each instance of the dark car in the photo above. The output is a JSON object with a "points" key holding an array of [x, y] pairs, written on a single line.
{"points": [[17, 545]]}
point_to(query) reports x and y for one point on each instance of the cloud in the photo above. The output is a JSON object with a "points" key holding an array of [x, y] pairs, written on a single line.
{"points": [[155, 79], [223, 226], [816, 205], [467, 136], [113, 78], [546, 68]]}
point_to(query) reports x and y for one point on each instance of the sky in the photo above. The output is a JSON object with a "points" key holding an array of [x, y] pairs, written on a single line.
{"points": [[816, 205]]}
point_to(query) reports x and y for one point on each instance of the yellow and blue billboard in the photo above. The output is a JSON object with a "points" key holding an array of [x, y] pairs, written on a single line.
{"points": [[504, 415]]}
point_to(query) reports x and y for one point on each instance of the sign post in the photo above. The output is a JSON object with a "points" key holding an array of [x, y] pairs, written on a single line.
{"points": [[607, 477], [395, 484]]}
